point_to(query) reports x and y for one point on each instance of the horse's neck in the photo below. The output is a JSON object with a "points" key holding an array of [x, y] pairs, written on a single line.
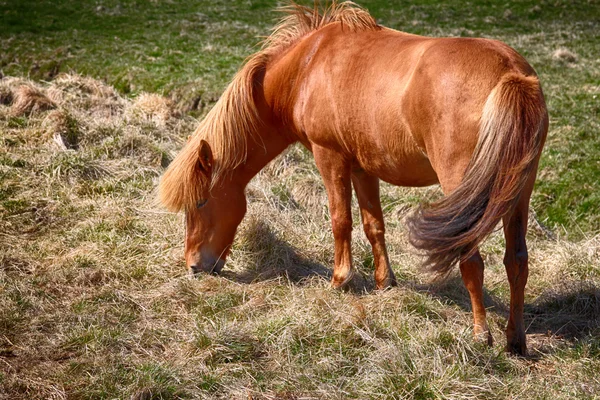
{"points": [[267, 145], [270, 140]]}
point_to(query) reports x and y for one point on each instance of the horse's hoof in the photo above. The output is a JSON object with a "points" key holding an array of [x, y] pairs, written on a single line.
{"points": [[518, 348], [343, 284], [484, 337], [516, 341], [387, 283]]}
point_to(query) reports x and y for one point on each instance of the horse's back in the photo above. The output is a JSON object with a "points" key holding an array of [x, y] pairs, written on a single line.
{"points": [[393, 101]]}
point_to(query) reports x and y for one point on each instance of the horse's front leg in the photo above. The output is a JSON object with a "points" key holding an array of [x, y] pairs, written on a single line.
{"points": [[335, 170], [367, 191]]}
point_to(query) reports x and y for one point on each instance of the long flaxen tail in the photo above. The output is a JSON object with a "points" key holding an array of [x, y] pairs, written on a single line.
{"points": [[512, 133]]}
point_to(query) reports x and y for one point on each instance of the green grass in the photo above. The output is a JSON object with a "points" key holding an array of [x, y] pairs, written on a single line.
{"points": [[133, 45], [190, 50], [94, 298]]}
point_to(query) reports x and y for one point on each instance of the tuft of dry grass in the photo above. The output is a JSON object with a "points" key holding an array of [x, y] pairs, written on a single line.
{"points": [[6, 95], [29, 99], [564, 55], [83, 94], [153, 107], [192, 97]]}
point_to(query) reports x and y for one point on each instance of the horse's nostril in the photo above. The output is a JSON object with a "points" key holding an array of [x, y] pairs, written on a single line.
{"points": [[195, 269]]}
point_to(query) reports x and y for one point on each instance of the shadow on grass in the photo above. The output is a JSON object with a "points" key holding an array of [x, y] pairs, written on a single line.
{"points": [[453, 291], [566, 315], [570, 311], [267, 256]]}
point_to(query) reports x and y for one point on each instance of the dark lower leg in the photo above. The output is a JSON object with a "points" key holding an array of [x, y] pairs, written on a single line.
{"points": [[517, 270]]}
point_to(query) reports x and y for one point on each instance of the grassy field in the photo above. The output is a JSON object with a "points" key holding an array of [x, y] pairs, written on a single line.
{"points": [[95, 301]]}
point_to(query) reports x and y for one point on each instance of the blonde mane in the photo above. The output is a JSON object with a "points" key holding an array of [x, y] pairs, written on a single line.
{"points": [[234, 119]]}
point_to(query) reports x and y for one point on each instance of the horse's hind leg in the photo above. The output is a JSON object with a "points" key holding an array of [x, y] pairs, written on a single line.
{"points": [[517, 269], [367, 191], [471, 270], [335, 171]]}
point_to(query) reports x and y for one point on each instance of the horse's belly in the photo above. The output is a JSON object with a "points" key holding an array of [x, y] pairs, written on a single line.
{"points": [[390, 154], [400, 169]]}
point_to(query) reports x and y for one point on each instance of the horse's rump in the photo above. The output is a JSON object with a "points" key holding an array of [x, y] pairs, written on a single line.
{"points": [[512, 132]]}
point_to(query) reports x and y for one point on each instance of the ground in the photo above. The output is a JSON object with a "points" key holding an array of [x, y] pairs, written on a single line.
{"points": [[95, 301]]}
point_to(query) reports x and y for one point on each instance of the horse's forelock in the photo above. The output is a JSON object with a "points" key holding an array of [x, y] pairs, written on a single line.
{"points": [[182, 185]]}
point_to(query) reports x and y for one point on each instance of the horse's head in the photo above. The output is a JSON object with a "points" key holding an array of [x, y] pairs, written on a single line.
{"points": [[212, 221]]}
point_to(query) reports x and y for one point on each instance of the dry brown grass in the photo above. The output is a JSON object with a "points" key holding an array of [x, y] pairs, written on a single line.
{"points": [[95, 301], [564, 55], [62, 128], [29, 99], [153, 107]]}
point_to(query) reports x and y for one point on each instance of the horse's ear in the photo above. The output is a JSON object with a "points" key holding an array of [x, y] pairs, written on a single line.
{"points": [[205, 158]]}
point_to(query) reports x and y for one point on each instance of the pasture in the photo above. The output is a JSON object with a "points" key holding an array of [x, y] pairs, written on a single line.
{"points": [[95, 302]]}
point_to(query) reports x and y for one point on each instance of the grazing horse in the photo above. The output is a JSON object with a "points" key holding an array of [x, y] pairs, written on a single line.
{"points": [[374, 103]]}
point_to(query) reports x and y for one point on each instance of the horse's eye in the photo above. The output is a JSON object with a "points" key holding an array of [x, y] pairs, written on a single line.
{"points": [[201, 203]]}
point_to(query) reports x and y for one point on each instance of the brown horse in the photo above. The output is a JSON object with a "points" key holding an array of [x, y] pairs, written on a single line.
{"points": [[373, 103]]}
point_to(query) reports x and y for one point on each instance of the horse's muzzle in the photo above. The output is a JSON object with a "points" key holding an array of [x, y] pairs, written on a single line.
{"points": [[208, 265]]}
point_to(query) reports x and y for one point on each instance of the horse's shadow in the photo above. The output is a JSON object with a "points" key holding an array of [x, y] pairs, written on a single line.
{"points": [[561, 317], [570, 312], [268, 257], [451, 290], [286, 263]]}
